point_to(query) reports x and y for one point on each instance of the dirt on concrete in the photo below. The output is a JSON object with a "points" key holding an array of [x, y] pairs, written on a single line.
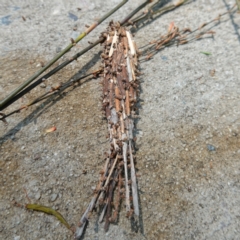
{"points": [[187, 134]]}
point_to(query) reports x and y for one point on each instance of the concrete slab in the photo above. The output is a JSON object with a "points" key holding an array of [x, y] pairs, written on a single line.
{"points": [[188, 131]]}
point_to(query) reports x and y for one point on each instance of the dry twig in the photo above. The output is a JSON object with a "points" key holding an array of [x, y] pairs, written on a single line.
{"points": [[174, 36]]}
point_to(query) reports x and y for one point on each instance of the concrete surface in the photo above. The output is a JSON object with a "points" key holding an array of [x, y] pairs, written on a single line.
{"points": [[188, 131]]}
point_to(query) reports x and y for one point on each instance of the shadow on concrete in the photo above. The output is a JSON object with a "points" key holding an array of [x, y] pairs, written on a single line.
{"points": [[231, 15], [50, 102]]}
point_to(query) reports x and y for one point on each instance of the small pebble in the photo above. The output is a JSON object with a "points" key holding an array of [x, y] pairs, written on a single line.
{"points": [[38, 195], [211, 148], [48, 88], [42, 85], [72, 16], [53, 197], [56, 207], [164, 58], [58, 49]]}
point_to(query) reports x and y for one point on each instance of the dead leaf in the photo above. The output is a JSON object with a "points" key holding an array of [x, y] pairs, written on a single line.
{"points": [[40, 208], [52, 129], [171, 26], [206, 53]]}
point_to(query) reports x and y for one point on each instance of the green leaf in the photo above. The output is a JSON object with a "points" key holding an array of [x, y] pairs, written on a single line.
{"points": [[206, 53], [48, 210]]}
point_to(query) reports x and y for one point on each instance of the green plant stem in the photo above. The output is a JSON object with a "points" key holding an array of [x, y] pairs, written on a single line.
{"points": [[238, 4], [80, 37]]}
